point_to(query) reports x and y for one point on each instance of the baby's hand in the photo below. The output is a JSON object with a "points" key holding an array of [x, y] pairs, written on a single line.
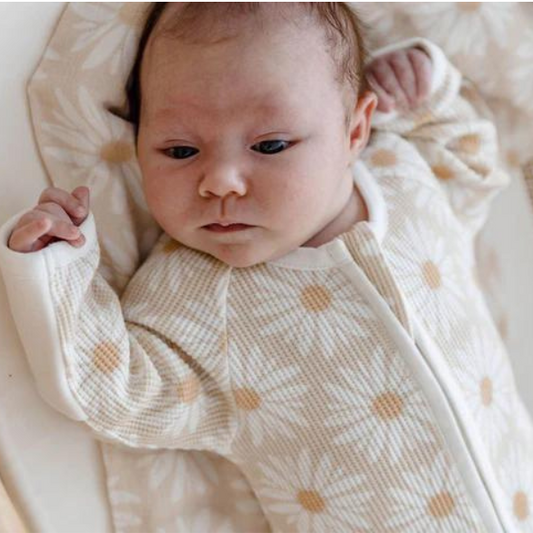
{"points": [[401, 79], [55, 218]]}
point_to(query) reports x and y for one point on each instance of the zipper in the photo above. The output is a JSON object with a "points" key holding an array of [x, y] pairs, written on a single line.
{"points": [[435, 380]]}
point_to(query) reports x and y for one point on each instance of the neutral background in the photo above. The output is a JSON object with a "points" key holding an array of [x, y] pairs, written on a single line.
{"points": [[39, 449]]}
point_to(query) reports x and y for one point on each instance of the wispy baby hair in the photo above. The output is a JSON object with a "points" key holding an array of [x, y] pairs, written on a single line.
{"points": [[344, 32]]}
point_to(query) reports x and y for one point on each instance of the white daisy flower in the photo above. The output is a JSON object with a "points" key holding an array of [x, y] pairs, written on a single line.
{"points": [[486, 380], [463, 28], [428, 201], [313, 308], [165, 280], [123, 505], [259, 388], [482, 283], [516, 477], [433, 500], [109, 32], [377, 407], [178, 472], [393, 160], [312, 496], [407, 174], [246, 503], [206, 520], [522, 85], [99, 151], [424, 267], [488, 265], [200, 334]]}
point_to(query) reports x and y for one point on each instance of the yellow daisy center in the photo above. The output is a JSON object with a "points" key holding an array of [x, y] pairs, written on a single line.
{"points": [[247, 399], [443, 172], [388, 405], [431, 275], [315, 298], [441, 505], [106, 357], [311, 501], [486, 391], [116, 152], [521, 505]]}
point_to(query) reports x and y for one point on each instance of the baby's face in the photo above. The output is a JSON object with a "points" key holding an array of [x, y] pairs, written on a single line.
{"points": [[249, 130]]}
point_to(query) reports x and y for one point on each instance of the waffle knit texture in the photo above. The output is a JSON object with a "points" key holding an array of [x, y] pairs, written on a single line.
{"points": [[359, 386]]}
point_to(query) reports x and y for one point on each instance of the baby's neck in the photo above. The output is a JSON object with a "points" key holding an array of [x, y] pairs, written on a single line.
{"points": [[354, 211]]}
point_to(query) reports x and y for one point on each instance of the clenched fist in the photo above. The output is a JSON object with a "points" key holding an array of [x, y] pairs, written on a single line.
{"points": [[401, 79], [56, 217]]}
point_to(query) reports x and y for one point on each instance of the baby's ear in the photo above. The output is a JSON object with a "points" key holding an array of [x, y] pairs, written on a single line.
{"points": [[360, 122]]}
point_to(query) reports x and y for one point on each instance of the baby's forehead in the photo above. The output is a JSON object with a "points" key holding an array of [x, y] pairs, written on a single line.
{"points": [[194, 80], [264, 107]]}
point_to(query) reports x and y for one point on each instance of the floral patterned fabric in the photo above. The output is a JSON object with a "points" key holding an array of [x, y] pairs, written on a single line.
{"points": [[82, 76]]}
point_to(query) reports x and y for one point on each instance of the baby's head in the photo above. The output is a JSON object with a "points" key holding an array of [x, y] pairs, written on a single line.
{"points": [[250, 113]]}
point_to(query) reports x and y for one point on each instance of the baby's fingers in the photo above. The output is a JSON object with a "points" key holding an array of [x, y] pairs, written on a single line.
{"points": [[404, 71], [70, 204], [25, 238], [82, 194], [385, 101], [37, 233], [64, 230], [422, 66], [385, 77]]}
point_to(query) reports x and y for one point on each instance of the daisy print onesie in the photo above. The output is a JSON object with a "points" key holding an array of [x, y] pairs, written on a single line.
{"points": [[360, 386]]}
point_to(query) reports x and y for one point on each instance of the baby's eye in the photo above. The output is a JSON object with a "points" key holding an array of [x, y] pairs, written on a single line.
{"points": [[271, 147], [183, 152], [179, 152]]}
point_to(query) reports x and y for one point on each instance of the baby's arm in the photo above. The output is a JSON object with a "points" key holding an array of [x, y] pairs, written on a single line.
{"points": [[128, 382], [435, 109]]}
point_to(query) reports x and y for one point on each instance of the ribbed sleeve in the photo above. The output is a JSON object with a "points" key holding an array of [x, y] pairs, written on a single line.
{"points": [[131, 381], [458, 144]]}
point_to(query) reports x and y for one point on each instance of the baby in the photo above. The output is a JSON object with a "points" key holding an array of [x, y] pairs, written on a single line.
{"points": [[310, 311]]}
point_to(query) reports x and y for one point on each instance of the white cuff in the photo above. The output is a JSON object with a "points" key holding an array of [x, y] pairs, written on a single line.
{"points": [[27, 279]]}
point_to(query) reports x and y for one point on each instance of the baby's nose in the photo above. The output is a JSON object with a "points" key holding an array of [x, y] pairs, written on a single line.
{"points": [[221, 181]]}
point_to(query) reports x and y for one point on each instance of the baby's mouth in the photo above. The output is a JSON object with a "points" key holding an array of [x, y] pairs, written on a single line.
{"points": [[218, 228]]}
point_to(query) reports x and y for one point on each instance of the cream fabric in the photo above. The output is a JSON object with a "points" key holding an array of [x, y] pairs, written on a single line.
{"points": [[358, 385], [491, 43], [10, 520]]}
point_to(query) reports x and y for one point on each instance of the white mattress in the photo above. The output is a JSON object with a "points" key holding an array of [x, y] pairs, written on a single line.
{"points": [[50, 466]]}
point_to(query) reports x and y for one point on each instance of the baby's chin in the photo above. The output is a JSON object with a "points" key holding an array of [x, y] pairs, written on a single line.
{"points": [[237, 255], [246, 253], [241, 256], [254, 255]]}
